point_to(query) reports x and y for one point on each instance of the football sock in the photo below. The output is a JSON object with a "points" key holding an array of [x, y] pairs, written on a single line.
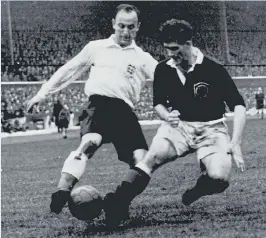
{"points": [[72, 170], [206, 185], [75, 164], [66, 182], [134, 184]]}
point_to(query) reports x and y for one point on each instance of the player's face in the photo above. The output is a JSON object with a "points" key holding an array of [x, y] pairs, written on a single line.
{"points": [[178, 52], [126, 26]]}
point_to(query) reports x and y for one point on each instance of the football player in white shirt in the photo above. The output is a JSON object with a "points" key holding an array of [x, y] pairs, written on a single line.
{"points": [[119, 69]]}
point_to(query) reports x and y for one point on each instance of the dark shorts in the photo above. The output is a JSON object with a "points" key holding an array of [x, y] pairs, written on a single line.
{"points": [[63, 123], [115, 121], [259, 105]]}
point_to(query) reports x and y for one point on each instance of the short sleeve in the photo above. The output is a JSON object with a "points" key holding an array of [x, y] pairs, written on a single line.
{"points": [[159, 91], [232, 97], [149, 66]]}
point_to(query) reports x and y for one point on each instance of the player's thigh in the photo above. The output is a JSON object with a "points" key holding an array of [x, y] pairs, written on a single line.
{"points": [[168, 144], [175, 136], [91, 129], [216, 158], [161, 152], [91, 121], [128, 138], [131, 148]]}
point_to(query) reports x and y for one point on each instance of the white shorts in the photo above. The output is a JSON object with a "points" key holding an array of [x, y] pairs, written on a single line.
{"points": [[200, 137]]}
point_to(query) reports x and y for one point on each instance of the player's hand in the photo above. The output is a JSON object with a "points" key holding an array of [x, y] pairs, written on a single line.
{"points": [[235, 151], [173, 118], [32, 102]]}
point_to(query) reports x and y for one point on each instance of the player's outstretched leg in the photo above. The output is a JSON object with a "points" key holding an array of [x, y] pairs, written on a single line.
{"points": [[73, 169], [116, 204], [215, 180]]}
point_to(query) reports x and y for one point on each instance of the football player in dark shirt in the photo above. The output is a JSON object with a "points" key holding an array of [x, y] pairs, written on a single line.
{"points": [[197, 89]]}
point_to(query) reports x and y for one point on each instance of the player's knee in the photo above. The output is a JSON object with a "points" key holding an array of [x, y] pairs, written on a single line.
{"points": [[139, 155], [219, 166], [157, 154], [89, 143], [219, 173], [149, 163], [151, 159], [90, 148]]}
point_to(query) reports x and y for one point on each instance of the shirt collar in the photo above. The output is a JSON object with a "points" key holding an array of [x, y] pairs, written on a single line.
{"points": [[196, 52], [111, 43]]}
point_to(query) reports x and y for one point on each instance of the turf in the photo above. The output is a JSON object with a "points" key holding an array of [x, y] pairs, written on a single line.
{"points": [[31, 168]]}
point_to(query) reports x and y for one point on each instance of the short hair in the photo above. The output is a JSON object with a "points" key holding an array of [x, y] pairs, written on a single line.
{"points": [[175, 30], [127, 8]]}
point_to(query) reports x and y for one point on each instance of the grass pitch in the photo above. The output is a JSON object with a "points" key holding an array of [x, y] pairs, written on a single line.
{"points": [[31, 168]]}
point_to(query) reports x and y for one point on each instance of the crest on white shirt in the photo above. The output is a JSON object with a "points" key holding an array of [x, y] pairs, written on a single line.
{"points": [[130, 71]]}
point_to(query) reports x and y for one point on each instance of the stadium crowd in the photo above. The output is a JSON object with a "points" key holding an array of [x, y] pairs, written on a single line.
{"points": [[38, 55]]}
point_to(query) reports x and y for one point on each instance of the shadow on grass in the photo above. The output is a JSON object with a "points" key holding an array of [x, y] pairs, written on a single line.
{"points": [[100, 228], [141, 216], [169, 215]]}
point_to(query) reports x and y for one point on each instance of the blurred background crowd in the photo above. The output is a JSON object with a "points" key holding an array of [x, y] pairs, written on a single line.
{"points": [[57, 31], [38, 55]]}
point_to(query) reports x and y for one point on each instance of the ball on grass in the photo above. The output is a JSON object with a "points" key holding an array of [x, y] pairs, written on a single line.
{"points": [[85, 203]]}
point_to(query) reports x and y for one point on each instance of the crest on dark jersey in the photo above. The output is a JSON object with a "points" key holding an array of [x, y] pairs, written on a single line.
{"points": [[201, 90]]}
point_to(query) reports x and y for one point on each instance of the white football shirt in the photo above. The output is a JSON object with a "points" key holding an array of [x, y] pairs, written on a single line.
{"points": [[114, 71]]}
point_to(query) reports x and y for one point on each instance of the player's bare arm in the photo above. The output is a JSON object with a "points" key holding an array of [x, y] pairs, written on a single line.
{"points": [[239, 123], [235, 146]]}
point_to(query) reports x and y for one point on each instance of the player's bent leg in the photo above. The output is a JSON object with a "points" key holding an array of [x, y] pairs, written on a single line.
{"points": [[215, 180], [161, 151], [73, 169], [75, 164], [116, 204]]}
